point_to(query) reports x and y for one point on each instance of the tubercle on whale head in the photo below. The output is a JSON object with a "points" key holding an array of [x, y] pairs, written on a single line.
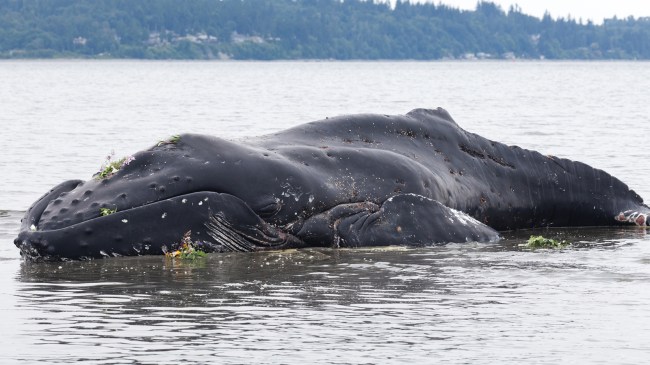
{"points": [[33, 215]]}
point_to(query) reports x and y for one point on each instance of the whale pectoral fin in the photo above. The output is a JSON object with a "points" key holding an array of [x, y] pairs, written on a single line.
{"points": [[321, 230], [413, 220], [405, 219]]}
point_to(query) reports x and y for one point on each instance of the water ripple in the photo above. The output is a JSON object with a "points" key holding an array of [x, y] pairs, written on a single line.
{"points": [[371, 302]]}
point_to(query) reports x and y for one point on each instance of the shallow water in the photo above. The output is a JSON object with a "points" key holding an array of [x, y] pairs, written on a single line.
{"points": [[588, 303]]}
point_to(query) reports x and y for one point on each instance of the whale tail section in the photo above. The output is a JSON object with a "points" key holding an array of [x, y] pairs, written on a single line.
{"points": [[632, 216]]}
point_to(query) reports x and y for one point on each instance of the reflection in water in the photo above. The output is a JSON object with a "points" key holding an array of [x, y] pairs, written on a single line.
{"points": [[334, 306]]}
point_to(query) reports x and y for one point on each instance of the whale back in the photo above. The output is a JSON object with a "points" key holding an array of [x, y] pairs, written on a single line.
{"points": [[506, 187]]}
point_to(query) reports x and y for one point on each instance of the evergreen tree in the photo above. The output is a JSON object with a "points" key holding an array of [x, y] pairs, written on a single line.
{"points": [[297, 29]]}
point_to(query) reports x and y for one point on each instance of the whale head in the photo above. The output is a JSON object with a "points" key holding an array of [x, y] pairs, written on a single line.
{"points": [[216, 189]]}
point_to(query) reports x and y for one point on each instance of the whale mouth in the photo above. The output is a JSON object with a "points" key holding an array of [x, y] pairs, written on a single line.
{"points": [[219, 222]]}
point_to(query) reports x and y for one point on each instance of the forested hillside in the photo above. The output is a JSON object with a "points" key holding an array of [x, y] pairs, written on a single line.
{"points": [[304, 29]]}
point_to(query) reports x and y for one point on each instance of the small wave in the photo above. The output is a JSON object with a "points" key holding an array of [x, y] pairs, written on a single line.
{"points": [[537, 133], [11, 213], [10, 222], [75, 284]]}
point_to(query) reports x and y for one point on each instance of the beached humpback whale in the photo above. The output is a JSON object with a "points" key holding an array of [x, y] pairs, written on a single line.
{"points": [[349, 181]]}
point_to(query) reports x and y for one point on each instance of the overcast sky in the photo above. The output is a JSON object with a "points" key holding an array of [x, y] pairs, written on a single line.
{"points": [[596, 10]]}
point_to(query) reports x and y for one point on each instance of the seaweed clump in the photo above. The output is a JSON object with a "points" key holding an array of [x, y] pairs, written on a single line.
{"points": [[187, 250], [543, 242]]}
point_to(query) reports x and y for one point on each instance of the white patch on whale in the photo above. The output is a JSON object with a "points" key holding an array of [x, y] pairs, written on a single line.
{"points": [[463, 218]]}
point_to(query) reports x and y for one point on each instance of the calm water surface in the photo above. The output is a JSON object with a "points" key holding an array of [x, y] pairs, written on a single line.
{"points": [[459, 304]]}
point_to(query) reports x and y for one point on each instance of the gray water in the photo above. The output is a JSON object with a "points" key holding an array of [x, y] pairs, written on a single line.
{"points": [[589, 303]]}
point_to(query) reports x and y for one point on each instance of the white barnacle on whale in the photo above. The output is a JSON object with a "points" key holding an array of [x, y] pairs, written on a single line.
{"points": [[291, 191]]}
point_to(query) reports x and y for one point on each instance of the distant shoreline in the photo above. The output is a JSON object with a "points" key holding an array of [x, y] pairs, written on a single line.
{"points": [[309, 60], [266, 30]]}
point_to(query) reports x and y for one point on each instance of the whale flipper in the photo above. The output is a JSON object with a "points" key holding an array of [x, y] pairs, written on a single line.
{"points": [[404, 219]]}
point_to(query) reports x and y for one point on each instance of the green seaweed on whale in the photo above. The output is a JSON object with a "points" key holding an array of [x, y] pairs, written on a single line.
{"points": [[172, 140], [106, 211], [111, 166]]}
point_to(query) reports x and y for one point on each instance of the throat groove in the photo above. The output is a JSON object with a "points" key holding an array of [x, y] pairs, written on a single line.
{"points": [[223, 233]]}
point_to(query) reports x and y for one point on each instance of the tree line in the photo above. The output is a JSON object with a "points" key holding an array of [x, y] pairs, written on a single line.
{"points": [[305, 29]]}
